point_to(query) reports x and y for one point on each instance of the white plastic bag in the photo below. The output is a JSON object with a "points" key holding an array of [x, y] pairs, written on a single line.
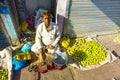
{"points": [[6, 61]]}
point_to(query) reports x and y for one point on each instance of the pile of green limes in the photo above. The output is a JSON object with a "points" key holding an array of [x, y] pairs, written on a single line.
{"points": [[87, 53], [3, 74]]}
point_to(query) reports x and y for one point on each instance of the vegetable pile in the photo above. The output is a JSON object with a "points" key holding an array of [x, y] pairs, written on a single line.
{"points": [[3, 74], [86, 53]]}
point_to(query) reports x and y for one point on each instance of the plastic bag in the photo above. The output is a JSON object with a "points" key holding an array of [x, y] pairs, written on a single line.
{"points": [[65, 41], [24, 26], [18, 65], [26, 47]]}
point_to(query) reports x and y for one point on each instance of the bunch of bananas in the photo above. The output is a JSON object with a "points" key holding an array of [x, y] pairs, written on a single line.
{"points": [[64, 41], [87, 53], [3, 74], [23, 56]]}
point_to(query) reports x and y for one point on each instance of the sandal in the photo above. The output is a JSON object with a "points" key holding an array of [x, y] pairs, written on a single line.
{"points": [[30, 69], [33, 68]]}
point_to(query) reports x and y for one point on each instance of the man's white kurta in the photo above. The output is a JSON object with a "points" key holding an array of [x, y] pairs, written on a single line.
{"points": [[44, 37]]}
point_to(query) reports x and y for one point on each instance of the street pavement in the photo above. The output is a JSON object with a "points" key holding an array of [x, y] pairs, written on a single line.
{"points": [[105, 72]]}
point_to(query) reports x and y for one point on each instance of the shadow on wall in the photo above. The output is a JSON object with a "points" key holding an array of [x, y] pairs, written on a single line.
{"points": [[65, 29], [69, 29], [111, 8]]}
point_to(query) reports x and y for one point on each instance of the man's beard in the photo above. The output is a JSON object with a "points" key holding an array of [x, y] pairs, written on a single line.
{"points": [[48, 24]]}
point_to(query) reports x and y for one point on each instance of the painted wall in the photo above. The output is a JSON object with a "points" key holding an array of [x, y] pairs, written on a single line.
{"points": [[8, 23]]}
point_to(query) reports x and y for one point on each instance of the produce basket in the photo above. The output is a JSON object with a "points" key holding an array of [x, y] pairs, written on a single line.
{"points": [[6, 64], [89, 53]]}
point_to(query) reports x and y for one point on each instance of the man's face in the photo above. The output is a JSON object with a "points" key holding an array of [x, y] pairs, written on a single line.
{"points": [[46, 19]]}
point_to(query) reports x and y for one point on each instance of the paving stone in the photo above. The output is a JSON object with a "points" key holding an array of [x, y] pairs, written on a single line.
{"points": [[24, 74], [64, 74]]}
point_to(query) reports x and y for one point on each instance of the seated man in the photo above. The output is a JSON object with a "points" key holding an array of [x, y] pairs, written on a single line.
{"points": [[47, 35]]}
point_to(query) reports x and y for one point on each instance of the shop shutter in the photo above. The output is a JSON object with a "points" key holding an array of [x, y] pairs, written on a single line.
{"points": [[29, 7], [89, 17]]}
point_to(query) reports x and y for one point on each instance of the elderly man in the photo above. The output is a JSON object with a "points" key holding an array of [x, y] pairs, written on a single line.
{"points": [[47, 36]]}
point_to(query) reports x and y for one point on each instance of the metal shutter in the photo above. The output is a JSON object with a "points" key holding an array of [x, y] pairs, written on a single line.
{"points": [[88, 17]]}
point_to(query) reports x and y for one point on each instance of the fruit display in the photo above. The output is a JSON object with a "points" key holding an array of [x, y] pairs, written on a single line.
{"points": [[3, 74], [86, 53]]}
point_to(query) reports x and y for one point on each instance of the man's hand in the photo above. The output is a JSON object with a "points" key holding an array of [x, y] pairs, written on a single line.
{"points": [[40, 50]]}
